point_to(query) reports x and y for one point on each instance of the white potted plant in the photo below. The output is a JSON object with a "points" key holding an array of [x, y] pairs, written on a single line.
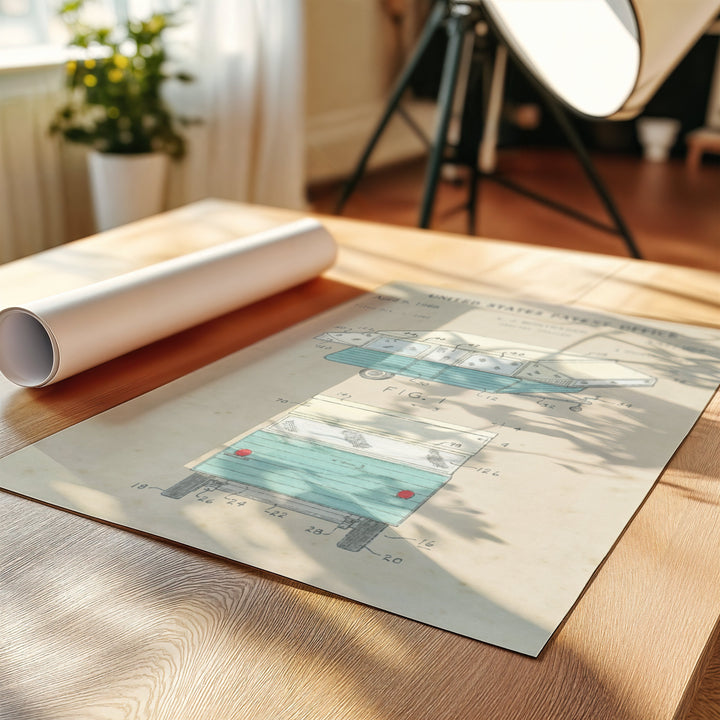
{"points": [[115, 106]]}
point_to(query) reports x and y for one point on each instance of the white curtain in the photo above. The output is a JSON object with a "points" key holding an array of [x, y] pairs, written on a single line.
{"points": [[248, 58]]}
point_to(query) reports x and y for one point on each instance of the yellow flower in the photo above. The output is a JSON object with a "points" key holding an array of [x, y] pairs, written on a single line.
{"points": [[71, 67], [120, 61], [115, 75], [156, 23], [90, 81], [89, 64]]}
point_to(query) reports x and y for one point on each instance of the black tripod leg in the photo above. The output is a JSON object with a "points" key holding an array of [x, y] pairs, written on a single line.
{"points": [[473, 192], [434, 21], [457, 26], [592, 174], [476, 117]]}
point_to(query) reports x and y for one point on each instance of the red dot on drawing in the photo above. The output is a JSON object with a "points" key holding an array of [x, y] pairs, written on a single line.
{"points": [[244, 452], [406, 494]]}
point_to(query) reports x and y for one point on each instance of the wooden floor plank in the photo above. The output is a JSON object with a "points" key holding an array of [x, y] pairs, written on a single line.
{"points": [[673, 212]]}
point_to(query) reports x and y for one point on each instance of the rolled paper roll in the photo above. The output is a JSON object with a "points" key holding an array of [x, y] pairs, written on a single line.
{"points": [[50, 339]]}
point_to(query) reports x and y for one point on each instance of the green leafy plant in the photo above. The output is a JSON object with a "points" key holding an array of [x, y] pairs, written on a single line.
{"points": [[115, 102]]}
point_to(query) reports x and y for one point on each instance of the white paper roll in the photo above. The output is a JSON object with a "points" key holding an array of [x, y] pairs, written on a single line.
{"points": [[50, 339]]}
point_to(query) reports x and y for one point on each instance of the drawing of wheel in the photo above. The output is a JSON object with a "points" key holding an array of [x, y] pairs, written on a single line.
{"points": [[184, 487], [373, 374], [364, 530]]}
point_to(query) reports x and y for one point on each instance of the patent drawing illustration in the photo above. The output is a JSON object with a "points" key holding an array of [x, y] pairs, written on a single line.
{"points": [[476, 363], [357, 466], [365, 468]]}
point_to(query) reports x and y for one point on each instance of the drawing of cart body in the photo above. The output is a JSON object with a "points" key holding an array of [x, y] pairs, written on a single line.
{"points": [[359, 467], [477, 363]]}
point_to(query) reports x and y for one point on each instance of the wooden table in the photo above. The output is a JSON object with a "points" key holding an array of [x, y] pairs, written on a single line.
{"points": [[98, 622]]}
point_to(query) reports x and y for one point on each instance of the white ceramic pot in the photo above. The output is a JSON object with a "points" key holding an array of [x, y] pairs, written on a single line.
{"points": [[657, 136], [126, 187]]}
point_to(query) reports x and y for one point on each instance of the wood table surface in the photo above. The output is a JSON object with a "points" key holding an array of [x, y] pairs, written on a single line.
{"points": [[100, 622]]}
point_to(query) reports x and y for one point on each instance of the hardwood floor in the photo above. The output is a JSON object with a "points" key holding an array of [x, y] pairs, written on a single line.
{"points": [[672, 212]]}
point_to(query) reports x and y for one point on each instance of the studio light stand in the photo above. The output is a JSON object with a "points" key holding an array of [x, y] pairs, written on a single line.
{"points": [[460, 18]]}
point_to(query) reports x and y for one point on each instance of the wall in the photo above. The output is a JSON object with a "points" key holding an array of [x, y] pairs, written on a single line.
{"points": [[43, 183], [353, 55]]}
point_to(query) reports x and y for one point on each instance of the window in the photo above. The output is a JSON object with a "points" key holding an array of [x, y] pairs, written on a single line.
{"points": [[31, 32], [24, 23]]}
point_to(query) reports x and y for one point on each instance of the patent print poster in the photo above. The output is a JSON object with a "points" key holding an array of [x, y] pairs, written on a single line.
{"points": [[459, 460]]}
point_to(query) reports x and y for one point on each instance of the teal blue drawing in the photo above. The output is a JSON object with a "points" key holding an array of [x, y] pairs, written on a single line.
{"points": [[439, 372], [355, 484]]}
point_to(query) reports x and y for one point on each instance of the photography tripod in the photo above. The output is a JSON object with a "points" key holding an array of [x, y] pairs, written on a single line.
{"points": [[460, 18]]}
